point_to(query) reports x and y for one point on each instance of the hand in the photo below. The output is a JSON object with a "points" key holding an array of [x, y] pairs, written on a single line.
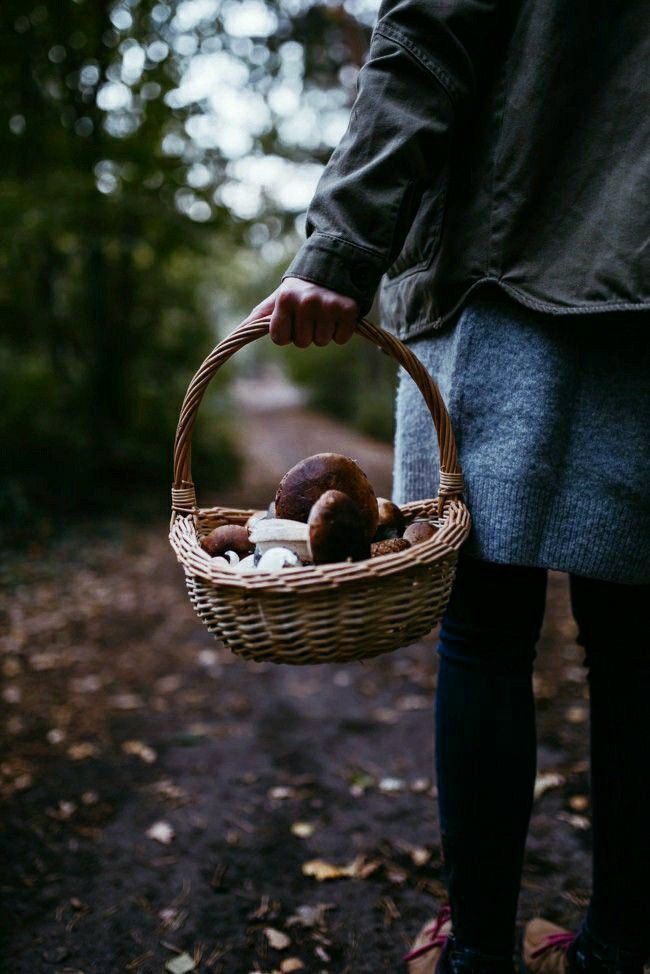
{"points": [[303, 312]]}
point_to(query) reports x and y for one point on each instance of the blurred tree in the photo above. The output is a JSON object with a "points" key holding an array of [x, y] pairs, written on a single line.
{"points": [[157, 160], [101, 322]]}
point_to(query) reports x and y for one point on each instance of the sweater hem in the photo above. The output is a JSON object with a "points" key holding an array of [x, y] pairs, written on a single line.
{"points": [[520, 523]]}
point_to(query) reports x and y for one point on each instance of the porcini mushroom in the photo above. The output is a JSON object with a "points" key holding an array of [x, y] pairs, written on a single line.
{"points": [[336, 529], [305, 483], [276, 558], [419, 531], [255, 516], [391, 520], [227, 537], [389, 546], [271, 532]]}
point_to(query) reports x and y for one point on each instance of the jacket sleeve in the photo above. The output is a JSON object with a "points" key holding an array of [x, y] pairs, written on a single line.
{"points": [[419, 73]]}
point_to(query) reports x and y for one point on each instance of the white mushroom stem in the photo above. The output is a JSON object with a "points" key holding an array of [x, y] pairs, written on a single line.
{"points": [[273, 532]]}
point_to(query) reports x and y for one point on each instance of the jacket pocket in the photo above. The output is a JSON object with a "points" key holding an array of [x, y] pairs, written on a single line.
{"points": [[423, 237]]}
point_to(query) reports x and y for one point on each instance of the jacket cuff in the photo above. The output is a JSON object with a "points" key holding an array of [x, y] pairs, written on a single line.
{"points": [[339, 265]]}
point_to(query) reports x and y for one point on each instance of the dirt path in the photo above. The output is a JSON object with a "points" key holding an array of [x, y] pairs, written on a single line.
{"points": [[120, 713]]}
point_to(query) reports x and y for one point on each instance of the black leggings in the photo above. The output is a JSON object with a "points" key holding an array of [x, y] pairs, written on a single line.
{"points": [[486, 750]]}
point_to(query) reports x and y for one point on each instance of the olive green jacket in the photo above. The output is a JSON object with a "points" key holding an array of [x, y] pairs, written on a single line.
{"points": [[491, 140]]}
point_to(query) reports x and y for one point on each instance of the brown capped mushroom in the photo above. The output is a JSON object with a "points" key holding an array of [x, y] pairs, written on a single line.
{"points": [[391, 520], [227, 537], [336, 529], [388, 546], [419, 531], [304, 483]]}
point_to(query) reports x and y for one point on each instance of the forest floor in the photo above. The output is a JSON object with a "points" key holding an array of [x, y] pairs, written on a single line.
{"points": [[167, 806]]}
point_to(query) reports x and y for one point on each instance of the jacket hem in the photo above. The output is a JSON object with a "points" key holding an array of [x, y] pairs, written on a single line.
{"points": [[419, 328]]}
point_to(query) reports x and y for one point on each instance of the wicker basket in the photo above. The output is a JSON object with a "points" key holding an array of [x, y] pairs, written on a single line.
{"points": [[320, 613]]}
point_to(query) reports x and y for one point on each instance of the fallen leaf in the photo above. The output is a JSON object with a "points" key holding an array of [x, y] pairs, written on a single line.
{"points": [[322, 870], [577, 714], [420, 856], [277, 939], [579, 803], [140, 750], [389, 785], [182, 964], [579, 822], [310, 916], [82, 750], [161, 832], [281, 792], [303, 829], [420, 785], [546, 780], [291, 964], [396, 875]]}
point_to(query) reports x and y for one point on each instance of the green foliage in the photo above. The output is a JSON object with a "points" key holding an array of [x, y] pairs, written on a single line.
{"points": [[100, 311], [121, 258]]}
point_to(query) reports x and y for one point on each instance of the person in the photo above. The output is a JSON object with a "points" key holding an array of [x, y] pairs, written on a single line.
{"points": [[491, 193]]}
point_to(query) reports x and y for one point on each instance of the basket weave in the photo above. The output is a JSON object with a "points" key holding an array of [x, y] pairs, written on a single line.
{"points": [[320, 613]]}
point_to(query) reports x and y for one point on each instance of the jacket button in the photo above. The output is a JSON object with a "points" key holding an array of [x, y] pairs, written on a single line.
{"points": [[362, 273]]}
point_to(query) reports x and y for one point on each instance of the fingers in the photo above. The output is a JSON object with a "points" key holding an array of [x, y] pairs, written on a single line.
{"points": [[308, 315], [305, 312], [345, 329], [281, 324]]}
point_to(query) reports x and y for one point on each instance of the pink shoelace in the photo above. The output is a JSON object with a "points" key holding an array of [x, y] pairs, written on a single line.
{"points": [[437, 939], [561, 940]]}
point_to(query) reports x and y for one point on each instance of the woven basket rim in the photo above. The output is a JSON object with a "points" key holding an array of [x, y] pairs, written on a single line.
{"points": [[453, 530]]}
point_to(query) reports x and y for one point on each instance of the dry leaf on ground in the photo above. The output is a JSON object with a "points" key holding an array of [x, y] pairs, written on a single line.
{"points": [[547, 780], [161, 832], [321, 870], [310, 916], [303, 829], [140, 750], [277, 939], [182, 964], [291, 964]]}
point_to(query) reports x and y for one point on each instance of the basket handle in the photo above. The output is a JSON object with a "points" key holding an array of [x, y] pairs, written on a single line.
{"points": [[183, 491]]}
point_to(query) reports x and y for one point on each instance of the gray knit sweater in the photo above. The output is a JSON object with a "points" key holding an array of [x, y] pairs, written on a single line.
{"points": [[552, 419]]}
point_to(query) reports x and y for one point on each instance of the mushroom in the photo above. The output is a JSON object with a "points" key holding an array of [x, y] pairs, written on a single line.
{"points": [[255, 516], [246, 564], [336, 529], [304, 483], [276, 558], [227, 537], [389, 546], [391, 520], [270, 532], [419, 531]]}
